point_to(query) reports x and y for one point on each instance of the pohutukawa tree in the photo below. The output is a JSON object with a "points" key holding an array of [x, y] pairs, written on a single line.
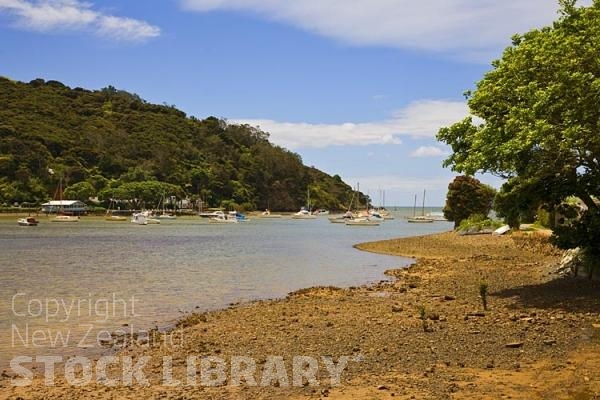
{"points": [[538, 121], [466, 197]]}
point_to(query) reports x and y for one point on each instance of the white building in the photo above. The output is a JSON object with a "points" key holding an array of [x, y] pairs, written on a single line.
{"points": [[74, 207]]}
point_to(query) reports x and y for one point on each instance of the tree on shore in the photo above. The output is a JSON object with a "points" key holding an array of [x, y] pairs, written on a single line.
{"points": [[541, 122], [467, 196]]}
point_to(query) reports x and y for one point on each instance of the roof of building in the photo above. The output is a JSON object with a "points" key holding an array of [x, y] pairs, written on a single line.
{"points": [[62, 203]]}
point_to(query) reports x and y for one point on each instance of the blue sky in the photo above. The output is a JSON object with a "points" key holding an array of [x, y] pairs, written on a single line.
{"points": [[357, 88]]}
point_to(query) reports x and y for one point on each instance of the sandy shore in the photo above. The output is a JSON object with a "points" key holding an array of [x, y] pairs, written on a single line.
{"points": [[424, 335]]}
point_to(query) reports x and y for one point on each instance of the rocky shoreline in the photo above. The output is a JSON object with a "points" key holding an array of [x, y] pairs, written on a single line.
{"points": [[424, 335]]}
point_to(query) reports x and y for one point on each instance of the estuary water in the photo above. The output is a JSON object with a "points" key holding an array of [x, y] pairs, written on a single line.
{"points": [[64, 286]]}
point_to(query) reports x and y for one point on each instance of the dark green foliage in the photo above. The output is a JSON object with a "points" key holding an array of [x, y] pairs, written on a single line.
{"points": [[467, 196], [112, 144], [478, 223]]}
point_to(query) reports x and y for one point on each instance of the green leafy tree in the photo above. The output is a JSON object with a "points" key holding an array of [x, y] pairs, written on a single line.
{"points": [[81, 191], [467, 196], [538, 119]]}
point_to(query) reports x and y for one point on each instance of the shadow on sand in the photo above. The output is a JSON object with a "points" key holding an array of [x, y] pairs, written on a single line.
{"points": [[566, 294]]}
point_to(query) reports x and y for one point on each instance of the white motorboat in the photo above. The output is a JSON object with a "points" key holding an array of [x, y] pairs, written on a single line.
{"points": [[303, 214], [29, 221], [139, 219], [222, 218]]}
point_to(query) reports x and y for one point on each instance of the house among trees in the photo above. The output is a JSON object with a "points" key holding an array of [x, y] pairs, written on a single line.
{"points": [[71, 207]]}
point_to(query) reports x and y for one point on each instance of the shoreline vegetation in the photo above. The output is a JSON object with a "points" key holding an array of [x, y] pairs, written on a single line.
{"points": [[475, 317]]}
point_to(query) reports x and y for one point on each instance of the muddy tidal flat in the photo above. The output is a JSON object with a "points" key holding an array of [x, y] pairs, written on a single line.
{"points": [[424, 335]]}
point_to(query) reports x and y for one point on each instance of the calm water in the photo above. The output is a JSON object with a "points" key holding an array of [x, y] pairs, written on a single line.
{"points": [[95, 268]]}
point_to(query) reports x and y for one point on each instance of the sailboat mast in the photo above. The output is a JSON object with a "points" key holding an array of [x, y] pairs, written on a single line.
{"points": [[423, 209]]}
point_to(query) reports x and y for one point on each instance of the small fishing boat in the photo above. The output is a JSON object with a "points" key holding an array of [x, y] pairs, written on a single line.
{"points": [[29, 221]]}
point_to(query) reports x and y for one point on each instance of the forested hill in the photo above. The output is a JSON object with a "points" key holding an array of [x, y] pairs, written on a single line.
{"points": [[110, 143]]}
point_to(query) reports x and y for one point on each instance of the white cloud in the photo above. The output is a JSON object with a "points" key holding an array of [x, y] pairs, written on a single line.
{"points": [[472, 28], [48, 15], [428, 151], [420, 119], [126, 28]]}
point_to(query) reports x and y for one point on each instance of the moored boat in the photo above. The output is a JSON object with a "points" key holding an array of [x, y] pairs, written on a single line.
{"points": [[29, 221], [238, 216], [363, 218], [436, 216], [362, 222], [320, 211], [139, 219], [340, 219], [419, 219], [148, 217], [65, 218], [267, 214], [115, 218], [110, 216], [165, 216], [209, 214], [221, 218], [303, 214]]}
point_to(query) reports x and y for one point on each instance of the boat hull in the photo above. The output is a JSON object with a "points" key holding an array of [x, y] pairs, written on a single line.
{"points": [[362, 223], [115, 218], [65, 218], [27, 222], [420, 220]]}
